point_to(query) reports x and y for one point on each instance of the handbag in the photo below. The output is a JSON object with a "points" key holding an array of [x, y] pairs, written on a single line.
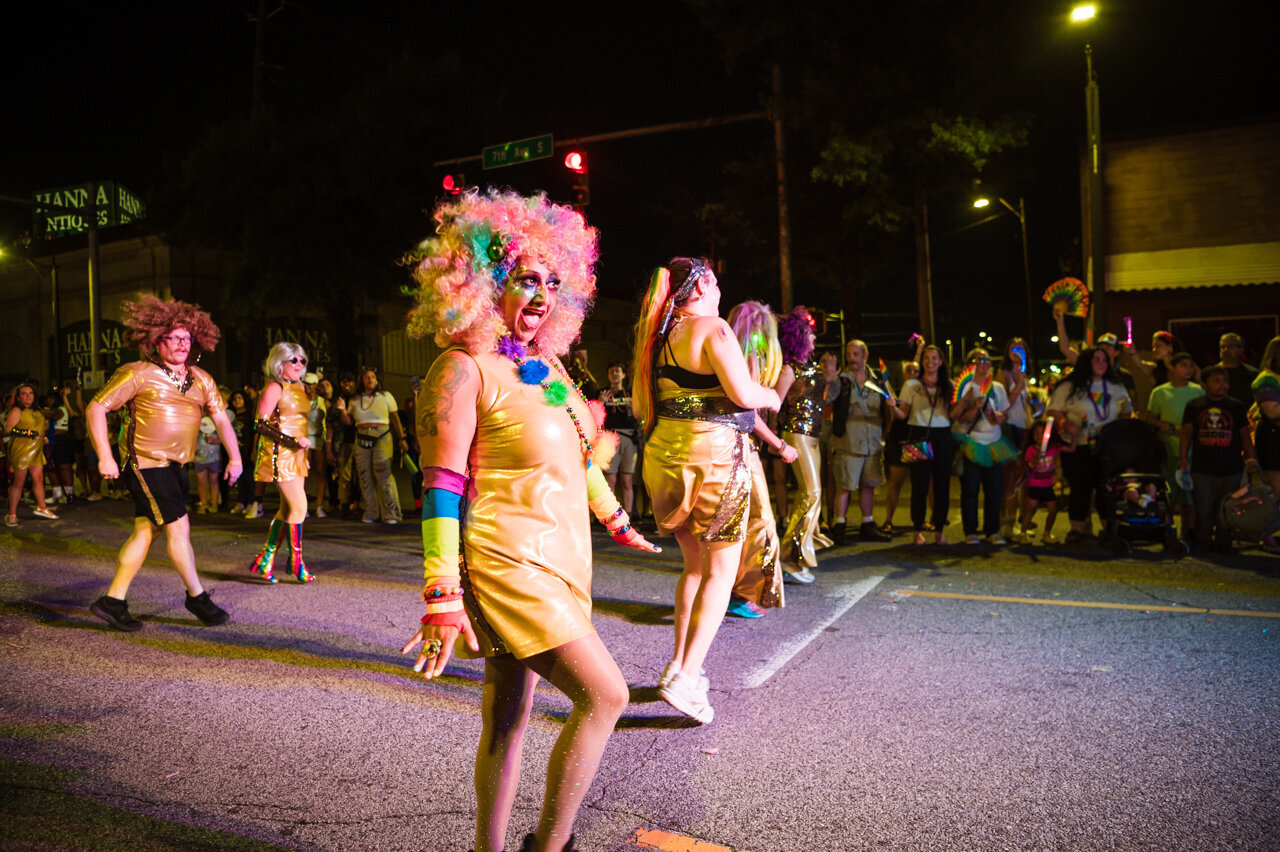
{"points": [[914, 452]]}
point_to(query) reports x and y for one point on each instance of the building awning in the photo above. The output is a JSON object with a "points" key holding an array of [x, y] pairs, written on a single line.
{"points": [[1204, 266]]}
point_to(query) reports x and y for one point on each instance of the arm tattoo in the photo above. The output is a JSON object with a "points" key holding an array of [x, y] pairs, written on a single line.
{"points": [[438, 395]]}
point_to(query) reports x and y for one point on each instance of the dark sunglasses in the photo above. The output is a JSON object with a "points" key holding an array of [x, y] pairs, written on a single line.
{"points": [[302, 361]]}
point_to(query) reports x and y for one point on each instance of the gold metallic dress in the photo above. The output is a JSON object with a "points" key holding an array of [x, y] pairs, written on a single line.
{"points": [[525, 536], [760, 569], [276, 462], [26, 449], [163, 411], [695, 464]]}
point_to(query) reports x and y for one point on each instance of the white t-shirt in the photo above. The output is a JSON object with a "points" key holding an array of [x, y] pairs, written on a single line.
{"points": [[369, 411], [984, 432], [914, 393], [1105, 402], [1017, 413]]}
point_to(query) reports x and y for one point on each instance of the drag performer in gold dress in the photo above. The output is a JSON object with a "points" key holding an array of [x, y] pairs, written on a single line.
{"points": [[510, 469], [24, 428], [166, 395], [283, 409], [804, 389], [696, 399]]}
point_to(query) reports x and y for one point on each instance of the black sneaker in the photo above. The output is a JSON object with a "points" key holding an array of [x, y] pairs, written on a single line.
{"points": [[838, 533], [209, 613], [116, 613], [870, 532]]}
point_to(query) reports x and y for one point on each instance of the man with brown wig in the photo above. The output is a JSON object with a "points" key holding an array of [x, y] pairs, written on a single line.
{"points": [[165, 396]]}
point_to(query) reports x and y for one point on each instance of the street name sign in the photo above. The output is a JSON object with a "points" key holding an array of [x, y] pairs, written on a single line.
{"points": [[522, 151]]}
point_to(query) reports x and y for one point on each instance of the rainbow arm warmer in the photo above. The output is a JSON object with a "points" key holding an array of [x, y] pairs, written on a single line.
{"points": [[599, 495], [441, 516]]}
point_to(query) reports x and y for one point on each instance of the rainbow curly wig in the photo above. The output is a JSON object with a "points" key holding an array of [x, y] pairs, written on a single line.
{"points": [[150, 318], [460, 272], [793, 335]]}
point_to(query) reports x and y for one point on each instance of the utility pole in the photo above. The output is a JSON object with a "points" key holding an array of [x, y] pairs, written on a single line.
{"points": [[95, 298], [924, 275], [784, 216]]}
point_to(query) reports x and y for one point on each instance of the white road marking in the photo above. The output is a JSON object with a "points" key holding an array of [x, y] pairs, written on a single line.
{"points": [[847, 596]]}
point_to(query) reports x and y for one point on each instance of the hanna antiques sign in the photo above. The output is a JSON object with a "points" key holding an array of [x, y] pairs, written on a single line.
{"points": [[116, 206]]}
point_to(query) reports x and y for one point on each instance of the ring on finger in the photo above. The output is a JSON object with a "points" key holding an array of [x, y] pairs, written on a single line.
{"points": [[433, 647]]}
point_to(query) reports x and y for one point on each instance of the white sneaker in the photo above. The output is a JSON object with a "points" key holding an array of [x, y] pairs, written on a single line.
{"points": [[683, 694], [972, 539], [45, 513], [321, 513], [253, 511], [672, 670], [94, 497], [997, 539]]}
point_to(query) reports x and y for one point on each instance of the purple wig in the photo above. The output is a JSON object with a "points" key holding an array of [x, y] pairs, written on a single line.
{"points": [[793, 335]]}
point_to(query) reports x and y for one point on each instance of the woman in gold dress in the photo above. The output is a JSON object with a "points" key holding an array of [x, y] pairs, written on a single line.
{"points": [[24, 427], [508, 449], [696, 398], [283, 408]]}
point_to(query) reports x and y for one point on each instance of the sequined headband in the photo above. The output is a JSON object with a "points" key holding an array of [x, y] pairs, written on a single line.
{"points": [[696, 271]]}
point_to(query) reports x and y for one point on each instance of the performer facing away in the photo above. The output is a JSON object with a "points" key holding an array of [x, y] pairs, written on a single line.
{"points": [[507, 446], [166, 396], [283, 409], [696, 398]]}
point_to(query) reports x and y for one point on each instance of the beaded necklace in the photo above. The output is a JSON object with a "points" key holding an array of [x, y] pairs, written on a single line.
{"points": [[181, 383], [1105, 398], [554, 391]]}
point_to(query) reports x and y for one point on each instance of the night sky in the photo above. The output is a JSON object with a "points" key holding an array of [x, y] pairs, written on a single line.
{"points": [[118, 90]]}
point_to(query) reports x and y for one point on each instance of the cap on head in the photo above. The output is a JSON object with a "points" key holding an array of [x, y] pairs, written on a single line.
{"points": [[310, 379], [1108, 339]]}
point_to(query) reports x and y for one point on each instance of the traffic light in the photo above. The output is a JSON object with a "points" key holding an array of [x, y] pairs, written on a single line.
{"points": [[576, 162], [453, 184]]}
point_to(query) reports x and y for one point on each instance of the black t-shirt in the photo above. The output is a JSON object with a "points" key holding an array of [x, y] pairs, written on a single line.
{"points": [[1215, 435], [617, 409]]}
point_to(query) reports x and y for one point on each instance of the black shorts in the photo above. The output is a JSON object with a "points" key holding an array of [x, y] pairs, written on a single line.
{"points": [[64, 448], [160, 495], [1041, 493]]}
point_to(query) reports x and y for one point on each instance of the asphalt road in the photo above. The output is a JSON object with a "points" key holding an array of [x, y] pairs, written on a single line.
{"points": [[913, 698]]}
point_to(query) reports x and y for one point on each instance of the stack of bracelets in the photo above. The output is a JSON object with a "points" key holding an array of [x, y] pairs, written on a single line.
{"points": [[618, 525]]}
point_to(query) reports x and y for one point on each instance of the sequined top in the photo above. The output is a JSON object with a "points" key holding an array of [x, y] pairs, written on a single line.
{"points": [[26, 441], [164, 413], [802, 409]]}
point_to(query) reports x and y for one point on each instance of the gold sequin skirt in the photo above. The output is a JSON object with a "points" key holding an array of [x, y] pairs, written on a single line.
{"points": [[697, 476], [278, 463]]}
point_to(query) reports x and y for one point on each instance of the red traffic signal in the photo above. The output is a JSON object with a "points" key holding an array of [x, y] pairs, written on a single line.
{"points": [[453, 184], [576, 161]]}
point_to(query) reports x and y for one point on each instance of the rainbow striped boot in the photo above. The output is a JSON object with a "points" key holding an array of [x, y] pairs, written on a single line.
{"points": [[262, 563], [296, 565]]}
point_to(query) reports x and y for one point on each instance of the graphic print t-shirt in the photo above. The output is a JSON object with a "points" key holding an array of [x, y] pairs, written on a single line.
{"points": [[1215, 435]]}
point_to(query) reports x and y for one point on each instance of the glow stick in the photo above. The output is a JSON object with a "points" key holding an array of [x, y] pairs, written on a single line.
{"points": [[1128, 325], [1044, 439]]}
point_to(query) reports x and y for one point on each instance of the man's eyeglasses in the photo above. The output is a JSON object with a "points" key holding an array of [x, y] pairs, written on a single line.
{"points": [[176, 340], [302, 361]]}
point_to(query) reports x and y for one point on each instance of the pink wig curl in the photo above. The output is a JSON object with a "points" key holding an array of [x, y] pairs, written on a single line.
{"points": [[479, 235], [793, 335]]}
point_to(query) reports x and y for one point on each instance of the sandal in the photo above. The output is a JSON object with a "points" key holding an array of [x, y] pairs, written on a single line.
{"points": [[918, 541], [887, 529]]}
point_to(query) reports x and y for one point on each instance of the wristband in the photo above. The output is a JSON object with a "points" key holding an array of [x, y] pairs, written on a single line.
{"points": [[457, 619]]}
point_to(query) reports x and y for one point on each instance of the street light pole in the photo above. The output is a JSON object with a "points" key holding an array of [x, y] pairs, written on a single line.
{"points": [[1095, 271], [1021, 213]]}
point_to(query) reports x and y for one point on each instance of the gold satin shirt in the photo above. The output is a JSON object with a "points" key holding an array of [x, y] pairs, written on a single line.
{"points": [[27, 452], [164, 419], [276, 462], [527, 580]]}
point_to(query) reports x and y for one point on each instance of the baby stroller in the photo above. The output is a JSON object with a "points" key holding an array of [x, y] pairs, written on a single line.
{"points": [[1134, 497]]}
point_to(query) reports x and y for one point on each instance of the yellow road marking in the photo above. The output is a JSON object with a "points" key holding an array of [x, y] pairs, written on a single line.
{"points": [[665, 841], [1182, 610]]}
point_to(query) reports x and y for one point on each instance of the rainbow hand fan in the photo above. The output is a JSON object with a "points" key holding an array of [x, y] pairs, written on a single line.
{"points": [[964, 380], [1072, 292]]}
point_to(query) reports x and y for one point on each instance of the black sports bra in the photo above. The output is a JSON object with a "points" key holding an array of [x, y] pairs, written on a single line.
{"points": [[682, 377]]}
